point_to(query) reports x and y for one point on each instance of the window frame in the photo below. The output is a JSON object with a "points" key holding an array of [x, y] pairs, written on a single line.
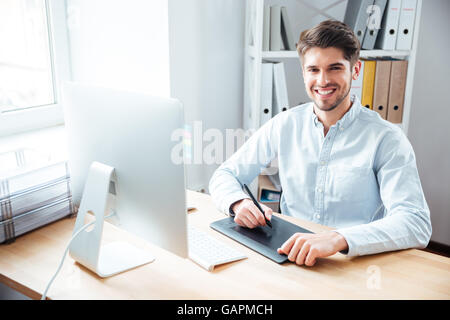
{"points": [[37, 117]]}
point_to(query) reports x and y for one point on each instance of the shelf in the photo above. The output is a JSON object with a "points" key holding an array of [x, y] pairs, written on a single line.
{"points": [[293, 54], [254, 55], [383, 53], [279, 54]]}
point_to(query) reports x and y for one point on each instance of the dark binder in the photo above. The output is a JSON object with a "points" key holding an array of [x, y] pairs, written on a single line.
{"points": [[372, 31], [356, 17], [263, 240]]}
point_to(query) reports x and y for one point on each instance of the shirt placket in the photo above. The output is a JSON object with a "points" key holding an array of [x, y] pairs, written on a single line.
{"points": [[324, 158]]}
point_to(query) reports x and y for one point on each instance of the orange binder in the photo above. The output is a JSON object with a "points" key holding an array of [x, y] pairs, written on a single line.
{"points": [[368, 83], [381, 87], [397, 86]]}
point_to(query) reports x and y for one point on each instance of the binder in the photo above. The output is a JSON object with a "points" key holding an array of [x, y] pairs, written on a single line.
{"points": [[280, 95], [32, 196], [266, 92], [356, 88], [397, 86], [286, 31], [374, 24], [275, 28], [266, 28], [23, 223], [356, 17], [40, 196], [381, 87], [406, 24], [368, 83], [387, 35]]}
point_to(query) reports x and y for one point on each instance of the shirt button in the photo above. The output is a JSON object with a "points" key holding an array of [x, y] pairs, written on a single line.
{"points": [[318, 216], [320, 190], [322, 163]]}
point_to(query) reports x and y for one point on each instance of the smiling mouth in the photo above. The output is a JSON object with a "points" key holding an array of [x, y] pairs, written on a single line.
{"points": [[325, 93]]}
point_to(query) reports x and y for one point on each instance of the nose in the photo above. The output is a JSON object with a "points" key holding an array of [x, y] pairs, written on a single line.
{"points": [[322, 79]]}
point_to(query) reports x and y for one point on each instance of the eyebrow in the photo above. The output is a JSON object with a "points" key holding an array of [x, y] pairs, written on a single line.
{"points": [[337, 64]]}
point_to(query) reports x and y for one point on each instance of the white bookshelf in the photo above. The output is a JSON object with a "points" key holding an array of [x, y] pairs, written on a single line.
{"points": [[364, 54], [309, 13]]}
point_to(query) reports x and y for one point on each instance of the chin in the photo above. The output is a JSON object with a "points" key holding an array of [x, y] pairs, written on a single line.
{"points": [[325, 106], [329, 104]]}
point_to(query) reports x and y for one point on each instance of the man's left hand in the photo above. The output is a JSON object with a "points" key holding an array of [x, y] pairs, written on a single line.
{"points": [[304, 248]]}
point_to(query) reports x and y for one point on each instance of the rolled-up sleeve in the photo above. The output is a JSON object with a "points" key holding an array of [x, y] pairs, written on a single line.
{"points": [[243, 167], [406, 223]]}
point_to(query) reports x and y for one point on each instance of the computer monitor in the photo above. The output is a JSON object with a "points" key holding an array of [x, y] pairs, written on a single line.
{"points": [[132, 133]]}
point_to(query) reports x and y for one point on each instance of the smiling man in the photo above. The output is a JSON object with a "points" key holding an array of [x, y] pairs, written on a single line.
{"points": [[340, 164]]}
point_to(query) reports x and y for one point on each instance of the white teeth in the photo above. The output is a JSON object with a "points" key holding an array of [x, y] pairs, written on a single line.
{"points": [[322, 92]]}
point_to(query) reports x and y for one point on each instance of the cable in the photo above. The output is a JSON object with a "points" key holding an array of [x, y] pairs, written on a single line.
{"points": [[44, 295]]}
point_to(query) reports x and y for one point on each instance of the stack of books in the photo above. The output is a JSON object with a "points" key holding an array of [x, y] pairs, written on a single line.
{"points": [[32, 196]]}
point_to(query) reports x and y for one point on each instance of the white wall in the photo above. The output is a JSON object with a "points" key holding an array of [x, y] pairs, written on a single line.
{"points": [[123, 44], [120, 43], [207, 68], [429, 128]]}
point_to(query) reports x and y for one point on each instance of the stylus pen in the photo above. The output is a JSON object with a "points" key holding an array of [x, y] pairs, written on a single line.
{"points": [[257, 204]]}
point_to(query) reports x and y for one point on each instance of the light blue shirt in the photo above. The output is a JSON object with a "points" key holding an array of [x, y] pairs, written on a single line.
{"points": [[360, 178]]}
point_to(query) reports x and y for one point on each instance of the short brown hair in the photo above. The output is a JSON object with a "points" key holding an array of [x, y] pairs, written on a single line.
{"points": [[331, 33]]}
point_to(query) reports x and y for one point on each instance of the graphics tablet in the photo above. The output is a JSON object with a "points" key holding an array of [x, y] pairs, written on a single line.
{"points": [[264, 240]]}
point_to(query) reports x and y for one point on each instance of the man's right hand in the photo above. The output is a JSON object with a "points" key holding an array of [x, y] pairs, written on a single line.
{"points": [[248, 215]]}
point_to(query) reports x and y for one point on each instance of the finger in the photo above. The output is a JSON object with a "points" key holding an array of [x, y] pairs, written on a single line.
{"points": [[311, 257], [298, 244], [247, 222], [238, 221], [249, 216], [302, 254], [257, 215], [267, 211], [287, 245], [243, 221]]}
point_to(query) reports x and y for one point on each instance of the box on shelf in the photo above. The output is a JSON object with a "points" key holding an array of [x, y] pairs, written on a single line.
{"points": [[268, 193]]}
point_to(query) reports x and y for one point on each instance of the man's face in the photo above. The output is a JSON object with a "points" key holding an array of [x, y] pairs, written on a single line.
{"points": [[328, 76]]}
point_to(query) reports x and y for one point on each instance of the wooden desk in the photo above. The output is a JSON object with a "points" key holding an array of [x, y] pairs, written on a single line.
{"points": [[28, 264]]}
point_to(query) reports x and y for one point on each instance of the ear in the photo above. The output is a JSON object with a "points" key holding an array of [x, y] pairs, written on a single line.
{"points": [[356, 69]]}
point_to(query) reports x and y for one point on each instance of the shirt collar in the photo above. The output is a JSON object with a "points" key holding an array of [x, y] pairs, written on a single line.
{"points": [[348, 117]]}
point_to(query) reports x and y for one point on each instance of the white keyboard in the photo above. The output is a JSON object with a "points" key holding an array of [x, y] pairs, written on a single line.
{"points": [[208, 252]]}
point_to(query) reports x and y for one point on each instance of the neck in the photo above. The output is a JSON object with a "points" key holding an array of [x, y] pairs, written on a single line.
{"points": [[329, 118]]}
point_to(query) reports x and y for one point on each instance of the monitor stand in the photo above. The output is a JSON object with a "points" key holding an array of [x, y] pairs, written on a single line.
{"points": [[85, 248]]}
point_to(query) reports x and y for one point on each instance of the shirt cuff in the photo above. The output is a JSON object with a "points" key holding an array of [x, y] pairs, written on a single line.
{"points": [[351, 251], [230, 199]]}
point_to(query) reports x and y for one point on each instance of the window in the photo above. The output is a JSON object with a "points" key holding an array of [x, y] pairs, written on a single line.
{"points": [[33, 60]]}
